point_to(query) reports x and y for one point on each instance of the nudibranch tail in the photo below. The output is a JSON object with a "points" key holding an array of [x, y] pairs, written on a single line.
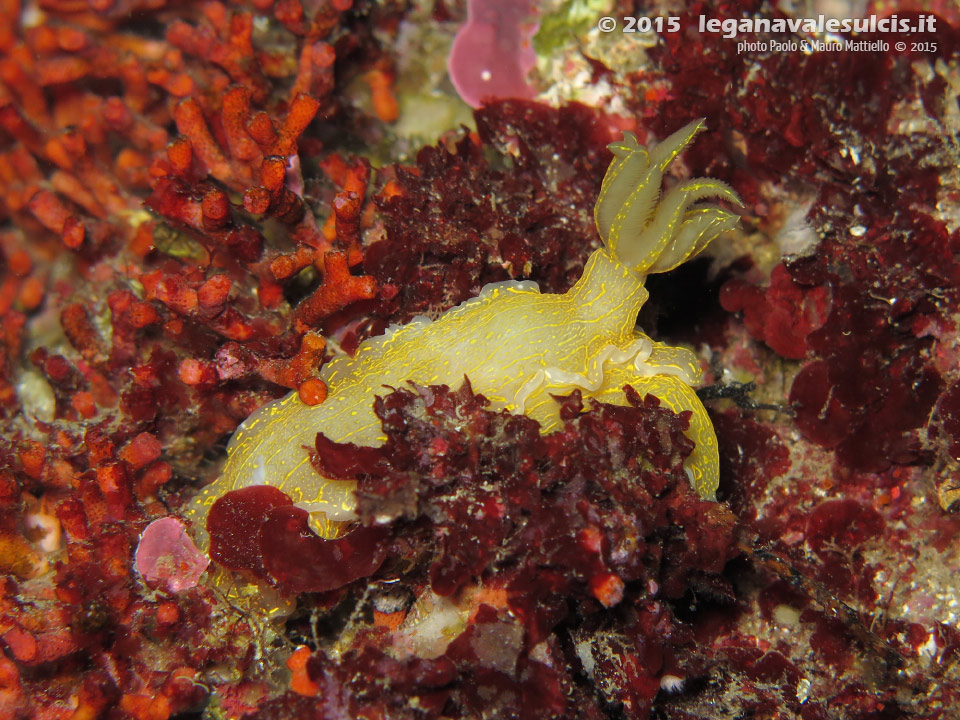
{"points": [[703, 465], [642, 231]]}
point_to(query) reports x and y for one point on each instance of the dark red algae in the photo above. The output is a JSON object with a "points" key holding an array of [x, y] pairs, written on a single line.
{"points": [[541, 542], [855, 473], [201, 202]]}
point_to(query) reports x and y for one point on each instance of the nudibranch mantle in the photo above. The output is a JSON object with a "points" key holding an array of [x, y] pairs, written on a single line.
{"points": [[516, 345]]}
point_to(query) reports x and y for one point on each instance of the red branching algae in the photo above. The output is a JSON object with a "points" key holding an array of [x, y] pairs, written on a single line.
{"points": [[783, 315], [444, 241], [462, 501]]}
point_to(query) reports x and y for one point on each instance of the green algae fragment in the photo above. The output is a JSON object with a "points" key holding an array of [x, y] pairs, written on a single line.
{"points": [[572, 18], [177, 244]]}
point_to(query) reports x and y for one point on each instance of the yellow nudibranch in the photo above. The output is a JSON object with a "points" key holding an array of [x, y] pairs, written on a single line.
{"points": [[516, 345]]}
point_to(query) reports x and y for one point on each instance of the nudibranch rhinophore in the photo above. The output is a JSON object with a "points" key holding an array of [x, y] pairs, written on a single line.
{"points": [[516, 345]]}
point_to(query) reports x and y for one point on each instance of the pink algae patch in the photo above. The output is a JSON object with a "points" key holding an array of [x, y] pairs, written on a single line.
{"points": [[167, 556], [492, 54]]}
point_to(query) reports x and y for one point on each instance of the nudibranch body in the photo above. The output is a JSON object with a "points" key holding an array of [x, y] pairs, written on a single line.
{"points": [[517, 346]]}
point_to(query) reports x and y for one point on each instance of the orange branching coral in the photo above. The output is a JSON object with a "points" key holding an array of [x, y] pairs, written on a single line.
{"points": [[339, 289], [50, 211], [312, 392], [79, 329], [235, 114], [315, 71], [192, 125], [346, 208], [300, 681], [380, 80], [234, 361], [224, 39], [22, 285], [200, 299], [285, 266], [272, 196], [247, 137], [342, 228], [343, 224], [11, 327], [293, 372], [301, 113], [159, 196], [52, 118]]}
